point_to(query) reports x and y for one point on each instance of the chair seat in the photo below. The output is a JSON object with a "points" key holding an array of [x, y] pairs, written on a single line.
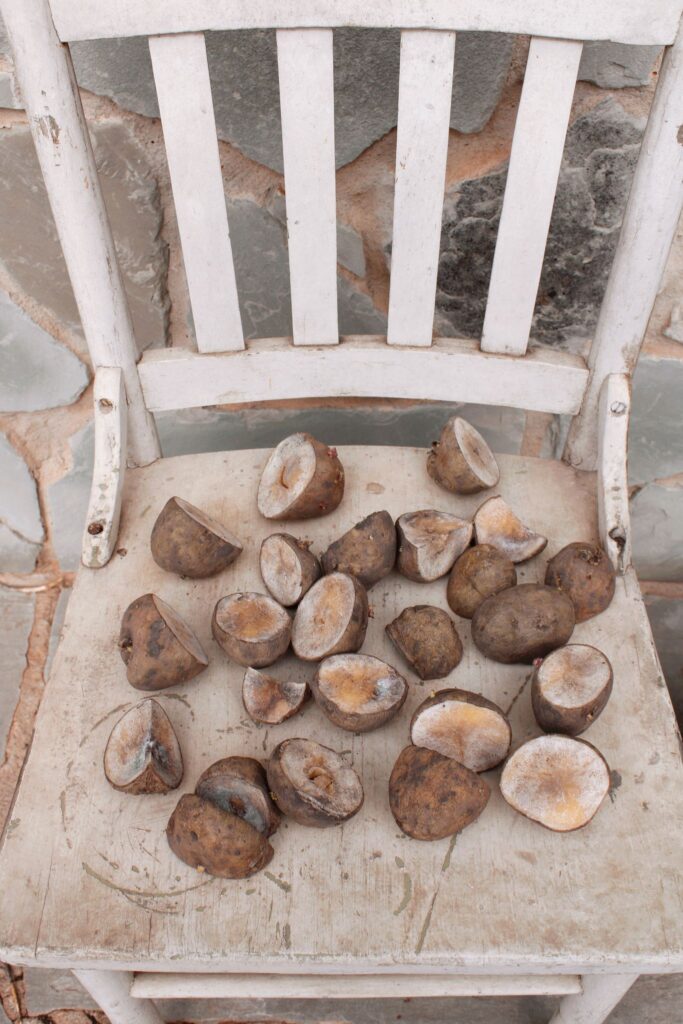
{"points": [[86, 873]]}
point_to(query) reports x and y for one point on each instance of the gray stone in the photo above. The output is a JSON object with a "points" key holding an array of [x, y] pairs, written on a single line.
{"points": [[600, 154], [244, 82], [666, 621], [29, 247], [16, 613], [9, 92], [36, 372], [56, 629], [67, 500], [617, 65], [657, 531], [21, 528], [656, 429], [4, 41]]}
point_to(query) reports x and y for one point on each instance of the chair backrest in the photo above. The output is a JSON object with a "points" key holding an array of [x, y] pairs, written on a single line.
{"points": [[409, 362]]}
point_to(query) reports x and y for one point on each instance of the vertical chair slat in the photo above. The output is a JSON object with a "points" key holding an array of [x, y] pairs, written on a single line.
{"points": [[424, 110], [540, 132], [181, 74], [305, 67]]}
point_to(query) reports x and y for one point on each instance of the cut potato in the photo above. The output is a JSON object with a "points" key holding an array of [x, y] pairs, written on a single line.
{"points": [[253, 629], [429, 543], [331, 619], [523, 623], [312, 785], [367, 551], [427, 639], [208, 838], [461, 461], [303, 478], [157, 647], [570, 688], [464, 726], [495, 523], [288, 568], [188, 542], [269, 700], [432, 796], [143, 754], [239, 786], [358, 692], [585, 574], [479, 572], [557, 781]]}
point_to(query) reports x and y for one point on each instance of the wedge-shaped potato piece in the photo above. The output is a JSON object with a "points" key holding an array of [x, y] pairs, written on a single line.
{"points": [[269, 700], [188, 542], [585, 574], [312, 784], [479, 572], [251, 628], [523, 623], [366, 551], [557, 781], [495, 523], [358, 692], [461, 461], [205, 836], [331, 619], [158, 648], [288, 568], [465, 726], [432, 796], [303, 478], [429, 543], [143, 754], [427, 639], [239, 785], [570, 688]]}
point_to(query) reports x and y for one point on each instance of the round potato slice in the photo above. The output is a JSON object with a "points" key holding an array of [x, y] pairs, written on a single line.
{"points": [[271, 701], [205, 836], [288, 568], [461, 461], [331, 619], [303, 478], [479, 572], [143, 754], [253, 629], [239, 786], [429, 543], [523, 623], [157, 647], [465, 726], [495, 523], [358, 692], [427, 639], [366, 551], [558, 781], [570, 688], [311, 784], [585, 574], [188, 542]]}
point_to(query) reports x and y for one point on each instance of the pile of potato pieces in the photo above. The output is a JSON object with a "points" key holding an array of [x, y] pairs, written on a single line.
{"points": [[435, 788]]}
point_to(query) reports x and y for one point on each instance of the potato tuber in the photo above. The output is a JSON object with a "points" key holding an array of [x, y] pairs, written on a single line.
{"points": [[570, 688], [239, 785], [303, 478], [188, 542], [366, 551], [461, 461], [143, 754], [157, 647], [427, 639], [523, 623], [269, 700], [288, 568], [251, 628], [585, 574], [204, 836], [479, 572], [465, 726], [495, 523], [331, 619], [312, 785], [358, 692], [429, 543]]}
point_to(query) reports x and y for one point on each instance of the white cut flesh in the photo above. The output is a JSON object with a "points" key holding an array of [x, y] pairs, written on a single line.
{"points": [[321, 778], [476, 453], [208, 523], [281, 570], [252, 618], [495, 523], [287, 474], [144, 736], [180, 630], [438, 537], [573, 676], [360, 683], [477, 737], [323, 616]]}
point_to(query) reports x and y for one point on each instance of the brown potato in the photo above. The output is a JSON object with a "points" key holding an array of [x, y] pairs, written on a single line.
{"points": [[495, 523], [523, 623], [464, 726], [461, 461], [288, 568], [432, 796], [570, 688], [271, 701], [205, 836], [358, 692], [143, 754], [557, 781], [429, 543], [479, 572], [427, 639], [585, 574], [157, 647], [239, 785], [331, 619], [188, 542], [251, 628], [367, 551], [312, 785], [303, 478]]}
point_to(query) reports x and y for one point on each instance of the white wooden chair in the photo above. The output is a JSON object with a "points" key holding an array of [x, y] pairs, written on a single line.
{"points": [[87, 879]]}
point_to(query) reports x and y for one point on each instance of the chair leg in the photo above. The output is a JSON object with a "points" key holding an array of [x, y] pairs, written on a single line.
{"points": [[601, 993], [111, 992]]}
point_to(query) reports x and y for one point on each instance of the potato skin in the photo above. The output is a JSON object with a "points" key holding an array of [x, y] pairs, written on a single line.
{"points": [[153, 655], [523, 623], [427, 639], [479, 572], [432, 796], [203, 835], [366, 551], [585, 574], [182, 545]]}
